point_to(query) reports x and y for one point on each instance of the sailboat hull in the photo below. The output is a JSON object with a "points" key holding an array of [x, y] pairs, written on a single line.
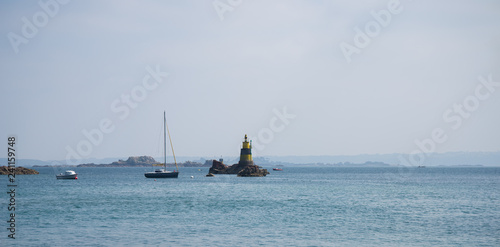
{"points": [[161, 174]]}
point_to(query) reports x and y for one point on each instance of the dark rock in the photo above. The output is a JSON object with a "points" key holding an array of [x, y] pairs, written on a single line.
{"points": [[243, 169], [4, 170], [218, 168], [253, 171]]}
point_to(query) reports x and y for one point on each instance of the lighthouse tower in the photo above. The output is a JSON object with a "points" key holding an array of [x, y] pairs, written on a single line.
{"points": [[246, 153]]}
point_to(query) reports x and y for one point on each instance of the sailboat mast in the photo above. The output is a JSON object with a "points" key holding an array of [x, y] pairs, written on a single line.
{"points": [[165, 138], [172, 146]]}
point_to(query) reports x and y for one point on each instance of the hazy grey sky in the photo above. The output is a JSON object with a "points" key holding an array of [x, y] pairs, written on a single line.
{"points": [[300, 77]]}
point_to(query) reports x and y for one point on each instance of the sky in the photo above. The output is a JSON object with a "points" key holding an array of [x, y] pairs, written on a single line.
{"points": [[91, 79]]}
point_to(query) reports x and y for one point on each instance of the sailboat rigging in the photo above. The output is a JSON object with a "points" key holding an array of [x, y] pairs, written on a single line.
{"points": [[163, 173]]}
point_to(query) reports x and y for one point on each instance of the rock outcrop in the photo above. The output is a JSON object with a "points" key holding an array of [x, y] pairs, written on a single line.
{"points": [[218, 168], [253, 171], [243, 169], [4, 170]]}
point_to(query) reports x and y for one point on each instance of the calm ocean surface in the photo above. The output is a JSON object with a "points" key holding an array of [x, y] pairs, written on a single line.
{"points": [[296, 207]]}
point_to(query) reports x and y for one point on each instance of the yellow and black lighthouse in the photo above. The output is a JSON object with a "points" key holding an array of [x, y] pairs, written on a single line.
{"points": [[246, 153]]}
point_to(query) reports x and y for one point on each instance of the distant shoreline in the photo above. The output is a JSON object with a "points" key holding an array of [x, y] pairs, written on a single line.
{"points": [[473, 159], [280, 166]]}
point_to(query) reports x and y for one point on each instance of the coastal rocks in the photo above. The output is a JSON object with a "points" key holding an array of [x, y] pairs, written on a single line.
{"points": [[4, 170], [253, 171], [243, 169], [237, 168], [218, 168]]}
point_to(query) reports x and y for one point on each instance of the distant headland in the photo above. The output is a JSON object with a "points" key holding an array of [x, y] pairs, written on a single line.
{"points": [[145, 161]]}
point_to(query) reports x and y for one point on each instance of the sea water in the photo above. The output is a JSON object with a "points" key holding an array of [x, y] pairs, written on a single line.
{"points": [[299, 206]]}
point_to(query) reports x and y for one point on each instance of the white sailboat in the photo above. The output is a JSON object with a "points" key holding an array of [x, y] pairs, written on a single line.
{"points": [[163, 173]]}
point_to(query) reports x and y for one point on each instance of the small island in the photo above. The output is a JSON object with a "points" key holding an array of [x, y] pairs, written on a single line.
{"points": [[4, 170], [244, 168]]}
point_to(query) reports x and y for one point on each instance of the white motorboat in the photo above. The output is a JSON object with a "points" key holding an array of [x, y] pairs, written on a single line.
{"points": [[67, 175]]}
